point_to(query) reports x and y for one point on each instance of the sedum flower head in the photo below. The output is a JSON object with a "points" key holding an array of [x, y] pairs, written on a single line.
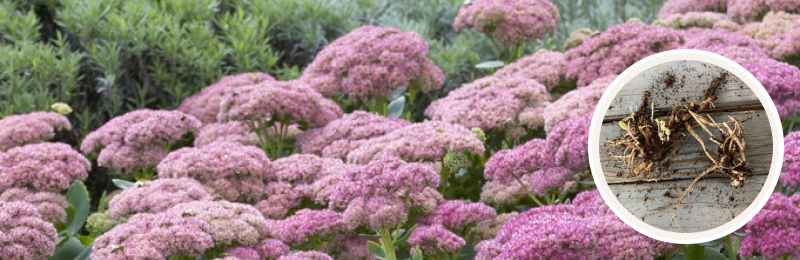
{"points": [[546, 67], [747, 10], [576, 38], [673, 7], [698, 20], [340, 136], [156, 196], [615, 49], [778, 35], [155, 237], [306, 255], [384, 178], [491, 103], [139, 138], [100, 222], [372, 61], [205, 105], [51, 205], [459, 214], [234, 171], [710, 39], [24, 234], [569, 142], [487, 229], [773, 232], [241, 253], [43, 167], [576, 102], [285, 102], [299, 228], [791, 160], [233, 131], [61, 108], [509, 22], [19, 130], [229, 223], [435, 239], [508, 164], [271, 249], [427, 141], [375, 213]]}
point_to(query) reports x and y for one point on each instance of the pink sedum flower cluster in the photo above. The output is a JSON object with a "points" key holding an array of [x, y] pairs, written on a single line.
{"points": [[229, 223], [233, 171], [435, 239], [371, 61], [285, 102], [340, 136], [546, 67], [24, 234], [138, 139], [205, 105], [791, 160], [570, 232], [509, 22], [233, 131], [306, 255], [700, 20], [492, 103], [673, 7], [615, 49], [156, 196], [458, 214], [384, 178], [19, 130], [778, 34], [50, 205], [298, 177], [305, 223], [773, 232], [155, 237], [576, 102], [426, 141], [43, 167]]}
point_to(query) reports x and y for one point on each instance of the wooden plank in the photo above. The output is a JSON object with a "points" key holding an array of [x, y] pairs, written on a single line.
{"points": [[688, 159], [711, 203], [692, 77]]}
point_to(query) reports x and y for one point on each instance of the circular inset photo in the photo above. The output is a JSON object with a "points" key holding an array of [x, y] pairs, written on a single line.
{"points": [[686, 146]]}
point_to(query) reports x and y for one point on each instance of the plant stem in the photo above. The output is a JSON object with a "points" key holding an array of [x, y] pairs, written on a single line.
{"points": [[729, 247], [533, 197], [388, 244]]}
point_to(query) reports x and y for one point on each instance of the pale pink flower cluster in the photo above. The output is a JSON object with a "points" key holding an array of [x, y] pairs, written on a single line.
{"points": [[139, 139], [306, 255], [509, 22], [778, 34], [233, 171], [155, 237], [24, 234], [384, 178], [747, 10], [426, 141], [372, 61], [43, 167], [615, 49], [340, 136], [229, 223], [376, 213], [435, 239], [673, 7], [51, 206], [305, 223], [487, 229], [492, 103], [19, 130], [576, 102], [286, 102], [298, 177], [232, 131], [156, 196], [205, 105], [546, 67]]}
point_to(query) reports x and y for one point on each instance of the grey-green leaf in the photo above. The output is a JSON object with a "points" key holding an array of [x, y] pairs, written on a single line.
{"points": [[417, 254], [376, 250], [396, 107], [87, 252], [78, 198], [69, 250], [492, 64], [122, 184]]}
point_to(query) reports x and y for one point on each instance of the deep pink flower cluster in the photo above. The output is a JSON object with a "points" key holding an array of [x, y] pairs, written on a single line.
{"points": [[569, 142], [19, 130], [509, 22], [508, 164], [156, 196], [298, 177], [425, 141], [234, 171], [306, 255], [351, 247], [138, 139], [286, 102], [492, 103], [672, 7], [205, 105], [42, 167], [233, 131], [791, 160], [24, 234], [458, 214], [340, 136], [781, 80], [773, 232], [546, 67], [569, 232], [384, 178], [305, 223], [576, 102], [435, 239], [155, 237], [616, 48], [372, 61], [51, 206], [229, 223]]}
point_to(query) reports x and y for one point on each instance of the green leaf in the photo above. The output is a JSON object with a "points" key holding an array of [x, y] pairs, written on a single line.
{"points": [[122, 184], [405, 236], [697, 252], [376, 250], [78, 197], [493, 64], [417, 254], [87, 252], [396, 107], [69, 250]]}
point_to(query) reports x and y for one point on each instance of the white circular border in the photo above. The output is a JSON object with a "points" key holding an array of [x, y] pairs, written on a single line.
{"points": [[738, 221]]}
